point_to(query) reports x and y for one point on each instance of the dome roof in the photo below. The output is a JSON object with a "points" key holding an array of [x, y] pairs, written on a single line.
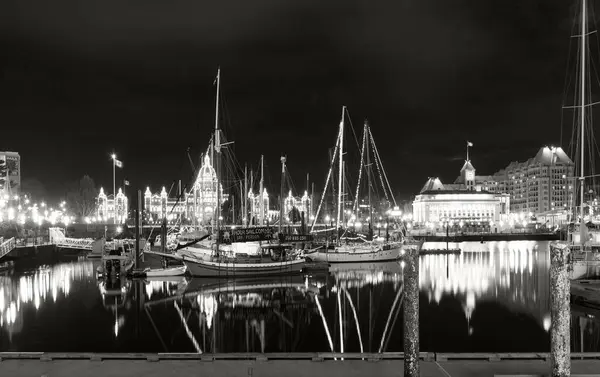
{"points": [[206, 174]]}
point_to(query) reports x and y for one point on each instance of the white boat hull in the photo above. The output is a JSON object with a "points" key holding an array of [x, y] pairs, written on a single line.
{"points": [[163, 272], [203, 268], [356, 256]]}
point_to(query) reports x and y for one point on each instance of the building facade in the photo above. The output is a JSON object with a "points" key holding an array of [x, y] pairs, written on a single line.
{"points": [[302, 204], [107, 207], [542, 184], [199, 204], [258, 214], [466, 202], [13, 172]]}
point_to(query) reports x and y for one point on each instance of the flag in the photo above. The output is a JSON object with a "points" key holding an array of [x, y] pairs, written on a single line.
{"points": [[469, 144], [126, 183], [118, 163]]}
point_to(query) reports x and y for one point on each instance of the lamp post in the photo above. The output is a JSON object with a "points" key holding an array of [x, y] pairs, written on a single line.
{"points": [[114, 159]]}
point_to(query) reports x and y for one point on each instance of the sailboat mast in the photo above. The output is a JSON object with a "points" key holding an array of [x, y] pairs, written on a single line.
{"points": [[340, 183], [217, 149], [582, 116], [281, 199], [260, 193], [368, 166], [245, 216]]}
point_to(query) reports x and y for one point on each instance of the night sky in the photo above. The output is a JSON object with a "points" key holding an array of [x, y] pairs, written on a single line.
{"points": [[81, 79]]}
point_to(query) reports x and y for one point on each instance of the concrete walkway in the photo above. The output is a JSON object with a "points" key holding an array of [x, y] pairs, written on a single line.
{"points": [[282, 368]]}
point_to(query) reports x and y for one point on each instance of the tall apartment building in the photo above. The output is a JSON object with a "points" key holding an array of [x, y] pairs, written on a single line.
{"points": [[13, 173], [543, 183]]}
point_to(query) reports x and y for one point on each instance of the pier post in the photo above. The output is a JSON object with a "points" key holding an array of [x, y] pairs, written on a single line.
{"points": [[411, 310], [560, 291]]}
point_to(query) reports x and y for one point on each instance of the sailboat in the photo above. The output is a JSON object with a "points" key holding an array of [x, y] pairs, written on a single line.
{"points": [[581, 243], [352, 252], [219, 261]]}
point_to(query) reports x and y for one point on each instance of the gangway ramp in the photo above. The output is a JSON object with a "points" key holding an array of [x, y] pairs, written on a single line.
{"points": [[6, 246], [58, 238]]}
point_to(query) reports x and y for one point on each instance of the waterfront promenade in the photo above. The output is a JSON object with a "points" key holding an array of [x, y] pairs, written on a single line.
{"points": [[313, 364], [288, 368]]}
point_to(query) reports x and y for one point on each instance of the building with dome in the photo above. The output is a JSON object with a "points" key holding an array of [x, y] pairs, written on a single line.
{"points": [[199, 203], [465, 203]]}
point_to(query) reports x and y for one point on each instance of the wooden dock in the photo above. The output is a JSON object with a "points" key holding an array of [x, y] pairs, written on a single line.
{"points": [[440, 252], [586, 290], [287, 364]]}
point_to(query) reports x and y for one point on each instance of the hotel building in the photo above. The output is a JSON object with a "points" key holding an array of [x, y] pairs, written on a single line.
{"points": [[466, 202], [542, 184]]}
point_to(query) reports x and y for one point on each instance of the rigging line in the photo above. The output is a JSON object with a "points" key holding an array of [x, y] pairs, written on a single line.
{"points": [[380, 169], [568, 79], [352, 127], [579, 35], [579, 107], [362, 154], [335, 151], [389, 187]]}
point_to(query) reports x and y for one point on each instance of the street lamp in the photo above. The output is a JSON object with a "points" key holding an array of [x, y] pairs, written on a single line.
{"points": [[114, 159]]}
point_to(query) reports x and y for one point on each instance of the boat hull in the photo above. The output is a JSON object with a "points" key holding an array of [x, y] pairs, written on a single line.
{"points": [[202, 268], [381, 255], [165, 272]]}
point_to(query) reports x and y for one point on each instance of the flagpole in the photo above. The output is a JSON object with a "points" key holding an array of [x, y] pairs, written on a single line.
{"points": [[469, 144], [114, 158]]}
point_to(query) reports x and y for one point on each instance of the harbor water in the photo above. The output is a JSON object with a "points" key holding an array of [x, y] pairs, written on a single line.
{"points": [[493, 297]]}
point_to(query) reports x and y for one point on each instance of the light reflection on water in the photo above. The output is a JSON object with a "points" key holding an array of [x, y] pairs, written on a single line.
{"points": [[494, 294]]}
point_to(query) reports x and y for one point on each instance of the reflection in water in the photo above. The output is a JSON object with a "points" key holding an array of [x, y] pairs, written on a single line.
{"points": [[514, 274], [494, 294], [37, 287]]}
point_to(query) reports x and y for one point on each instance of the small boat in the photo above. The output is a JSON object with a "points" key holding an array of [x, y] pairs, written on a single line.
{"points": [[361, 253], [239, 266], [169, 271]]}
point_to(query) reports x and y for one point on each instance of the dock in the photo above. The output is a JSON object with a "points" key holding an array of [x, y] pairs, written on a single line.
{"points": [[439, 252], [484, 237], [588, 290], [288, 364]]}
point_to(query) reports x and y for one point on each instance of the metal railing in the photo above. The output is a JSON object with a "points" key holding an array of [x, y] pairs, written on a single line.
{"points": [[6, 246], [75, 243], [313, 356]]}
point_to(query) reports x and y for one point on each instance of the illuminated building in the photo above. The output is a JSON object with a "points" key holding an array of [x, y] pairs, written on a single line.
{"points": [[202, 201], [106, 208], [465, 202], [199, 202], [255, 208], [541, 184], [303, 204], [13, 164]]}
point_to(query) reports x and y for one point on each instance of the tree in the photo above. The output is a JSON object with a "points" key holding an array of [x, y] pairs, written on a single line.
{"points": [[34, 188], [81, 197]]}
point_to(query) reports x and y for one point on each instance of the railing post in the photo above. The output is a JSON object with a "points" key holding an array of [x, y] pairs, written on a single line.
{"points": [[560, 292], [411, 311]]}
